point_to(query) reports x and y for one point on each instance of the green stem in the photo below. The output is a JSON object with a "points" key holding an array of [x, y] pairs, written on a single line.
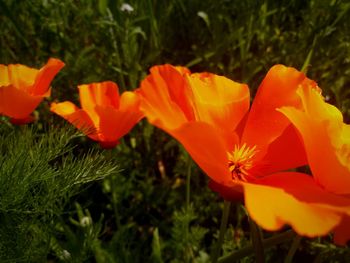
{"points": [[223, 225], [267, 243], [256, 237], [309, 55], [188, 184], [188, 189], [115, 203], [293, 249], [116, 48]]}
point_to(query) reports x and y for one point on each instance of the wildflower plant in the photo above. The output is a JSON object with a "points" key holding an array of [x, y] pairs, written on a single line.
{"points": [[247, 153], [105, 116], [64, 199], [23, 88], [39, 174]]}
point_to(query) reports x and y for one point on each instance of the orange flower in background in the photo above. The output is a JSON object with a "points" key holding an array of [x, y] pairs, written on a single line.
{"points": [[244, 152], [105, 116], [23, 88]]}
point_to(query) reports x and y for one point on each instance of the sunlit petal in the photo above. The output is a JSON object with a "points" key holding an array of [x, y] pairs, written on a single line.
{"points": [[264, 123], [79, 118], [22, 89], [45, 77], [218, 100], [207, 148], [17, 103], [326, 139], [105, 116], [294, 199], [163, 107]]}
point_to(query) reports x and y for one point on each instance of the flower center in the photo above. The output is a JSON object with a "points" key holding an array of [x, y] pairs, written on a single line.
{"points": [[240, 160]]}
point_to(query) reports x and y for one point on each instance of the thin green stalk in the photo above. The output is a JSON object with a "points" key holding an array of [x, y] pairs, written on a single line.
{"points": [[223, 226], [304, 68], [293, 249], [256, 237], [156, 248], [12, 17], [188, 190], [116, 48], [188, 183], [115, 203], [154, 25], [267, 243]]}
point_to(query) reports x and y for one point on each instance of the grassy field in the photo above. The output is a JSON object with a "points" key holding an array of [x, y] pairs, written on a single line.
{"points": [[146, 200]]}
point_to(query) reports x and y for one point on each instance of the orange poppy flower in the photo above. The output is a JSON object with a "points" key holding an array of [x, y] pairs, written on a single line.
{"points": [[243, 152], [23, 88], [105, 116], [327, 142]]}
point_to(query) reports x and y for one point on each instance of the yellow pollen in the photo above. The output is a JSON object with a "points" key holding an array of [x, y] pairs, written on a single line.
{"points": [[240, 161]]}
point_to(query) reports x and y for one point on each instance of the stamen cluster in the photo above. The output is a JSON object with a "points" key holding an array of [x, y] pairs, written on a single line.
{"points": [[240, 161]]}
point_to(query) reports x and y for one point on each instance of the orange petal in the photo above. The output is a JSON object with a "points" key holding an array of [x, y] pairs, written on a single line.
{"points": [[14, 100], [177, 86], [207, 148], [98, 94], [20, 76], [108, 144], [130, 101], [22, 88], [171, 97], [286, 152], [17, 103], [159, 106], [79, 118], [115, 123], [4, 76], [264, 123], [22, 121], [279, 199], [326, 139], [342, 231], [182, 70], [45, 76], [218, 100], [64, 108], [233, 193]]}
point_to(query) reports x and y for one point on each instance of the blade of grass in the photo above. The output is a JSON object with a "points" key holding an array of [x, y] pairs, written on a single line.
{"points": [[256, 237], [267, 243], [223, 226], [293, 249], [11, 17], [309, 55]]}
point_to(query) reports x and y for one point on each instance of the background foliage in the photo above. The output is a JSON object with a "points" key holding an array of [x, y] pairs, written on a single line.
{"points": [[146, 212]]}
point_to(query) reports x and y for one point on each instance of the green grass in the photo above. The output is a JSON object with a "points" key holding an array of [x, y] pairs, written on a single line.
{"points": [[145, 213]]}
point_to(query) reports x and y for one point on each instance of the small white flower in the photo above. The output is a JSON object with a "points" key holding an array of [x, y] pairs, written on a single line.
{"points": [[85, 221], [204, 16], [126, 8], [65, 255]]}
